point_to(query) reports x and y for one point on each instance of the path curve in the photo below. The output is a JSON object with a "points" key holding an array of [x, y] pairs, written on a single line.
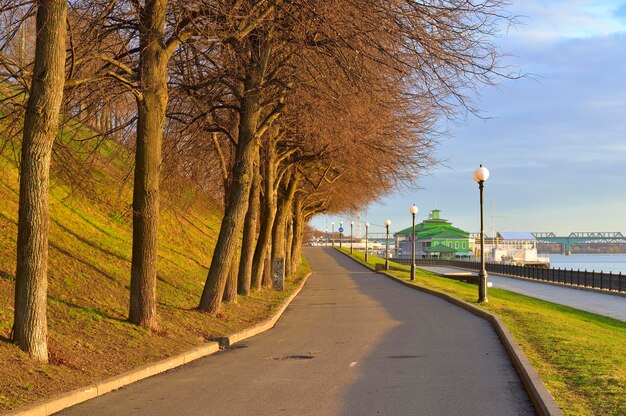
{"points": [[352, 343]]}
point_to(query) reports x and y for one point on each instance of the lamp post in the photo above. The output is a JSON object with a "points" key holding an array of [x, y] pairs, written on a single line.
{"points": [[351, 235], [332, 236], [387, 224], [340, 233], [413, 211], [481, 175], [327, 236], [367, 226]]}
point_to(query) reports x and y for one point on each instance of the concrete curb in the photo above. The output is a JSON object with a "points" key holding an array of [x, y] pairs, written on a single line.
{"points": [[71, 398], [541, 398], [269, 323], [64, 400]]}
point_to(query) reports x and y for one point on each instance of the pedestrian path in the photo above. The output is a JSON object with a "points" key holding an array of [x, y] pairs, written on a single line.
{"points": [[606, 304], [352, 343]]}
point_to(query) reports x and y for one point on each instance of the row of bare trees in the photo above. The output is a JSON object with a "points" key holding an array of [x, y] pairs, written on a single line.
{"points": [[294, 107]]}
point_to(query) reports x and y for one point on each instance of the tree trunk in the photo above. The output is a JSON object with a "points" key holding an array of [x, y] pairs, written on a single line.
{"points": [[298, 231], [288, 242], [249, 234], [280, 223], [232, 223], [150, 124], [40, 129], [267, 217], [267, 267], [230, 291]]}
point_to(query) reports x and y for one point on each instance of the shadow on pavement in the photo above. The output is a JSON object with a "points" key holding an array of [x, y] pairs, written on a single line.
{"points": [[429, 356]]}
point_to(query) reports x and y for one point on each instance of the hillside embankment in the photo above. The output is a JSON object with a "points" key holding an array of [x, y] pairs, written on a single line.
{"points": [[89, 276]]}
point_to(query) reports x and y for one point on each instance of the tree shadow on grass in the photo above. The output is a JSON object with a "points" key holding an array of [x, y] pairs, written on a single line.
{"points": [[87, 310], [206, 229], [86, 263], [8, 276], [94, 225], [89, 242], [184, 255], [167, 282], [10, 220]]}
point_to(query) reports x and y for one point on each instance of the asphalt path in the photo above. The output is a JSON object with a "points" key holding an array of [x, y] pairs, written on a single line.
{"points": [[352, 343], [606, 304]]}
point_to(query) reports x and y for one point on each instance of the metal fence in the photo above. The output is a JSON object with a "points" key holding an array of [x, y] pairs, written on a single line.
{"points": [[584, 278]]}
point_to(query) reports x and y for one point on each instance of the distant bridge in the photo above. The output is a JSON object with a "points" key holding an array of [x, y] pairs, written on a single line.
{"points": [[580, 238]]}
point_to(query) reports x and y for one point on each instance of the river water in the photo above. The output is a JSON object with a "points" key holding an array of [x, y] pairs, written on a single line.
{"points": [[615, 263]]}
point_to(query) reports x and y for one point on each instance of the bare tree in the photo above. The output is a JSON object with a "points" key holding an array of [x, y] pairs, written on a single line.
{"points": [[145, 38], [40, 129]]}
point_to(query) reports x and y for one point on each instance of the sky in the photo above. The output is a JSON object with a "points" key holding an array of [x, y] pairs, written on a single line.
{"points": [[554, 141]]}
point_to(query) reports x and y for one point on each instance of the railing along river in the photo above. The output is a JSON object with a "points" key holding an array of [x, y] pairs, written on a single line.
{"points": [[584, 278]]}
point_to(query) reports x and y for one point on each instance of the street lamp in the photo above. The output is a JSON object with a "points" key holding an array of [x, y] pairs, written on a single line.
{"points": [[481, 175], [333, 233], [351, 235], [340, 233], [367, 226], [387, 224], [327, 236], [413, 211]]}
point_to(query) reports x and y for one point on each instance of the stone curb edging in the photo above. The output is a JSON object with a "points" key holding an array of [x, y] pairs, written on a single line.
{"points": [[64, 400], [542, 400], [269, 323]]}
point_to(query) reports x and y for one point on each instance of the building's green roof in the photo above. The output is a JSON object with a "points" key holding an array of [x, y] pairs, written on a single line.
{"points": [[451, 234], [433, 227], [440, 248]]}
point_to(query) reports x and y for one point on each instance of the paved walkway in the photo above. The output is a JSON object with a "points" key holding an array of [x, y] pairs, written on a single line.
{"points": [[352, 343], [605, 304]]}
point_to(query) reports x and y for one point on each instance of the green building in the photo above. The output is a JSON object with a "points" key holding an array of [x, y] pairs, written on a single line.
{"points": [[434, 237]]}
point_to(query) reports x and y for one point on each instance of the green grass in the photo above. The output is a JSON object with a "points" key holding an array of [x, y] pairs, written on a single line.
{"points": [[580, 356]]}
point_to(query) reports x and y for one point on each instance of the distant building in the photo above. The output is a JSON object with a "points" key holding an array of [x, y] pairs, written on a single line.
{"points": [[434, 237], [513, 247]]}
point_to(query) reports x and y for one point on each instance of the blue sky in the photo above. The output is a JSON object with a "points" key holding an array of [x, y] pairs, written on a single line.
{"points": [[555, 143]]}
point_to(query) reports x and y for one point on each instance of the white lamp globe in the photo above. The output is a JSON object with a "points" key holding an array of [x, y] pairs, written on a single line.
{"points": [[367, 224], [413, 209], [481, 174], [387, 223]]}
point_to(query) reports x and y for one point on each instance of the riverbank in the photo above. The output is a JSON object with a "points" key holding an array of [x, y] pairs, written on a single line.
{"points": [[615, 263], [609, 304]]}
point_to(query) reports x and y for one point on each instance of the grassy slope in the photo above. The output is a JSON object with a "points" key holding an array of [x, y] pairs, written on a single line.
{"points": [[89, 266], [580, 356]]}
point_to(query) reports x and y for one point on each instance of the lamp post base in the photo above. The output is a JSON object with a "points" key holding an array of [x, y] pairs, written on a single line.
{"points": [[482, 287], [412, 271]]}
